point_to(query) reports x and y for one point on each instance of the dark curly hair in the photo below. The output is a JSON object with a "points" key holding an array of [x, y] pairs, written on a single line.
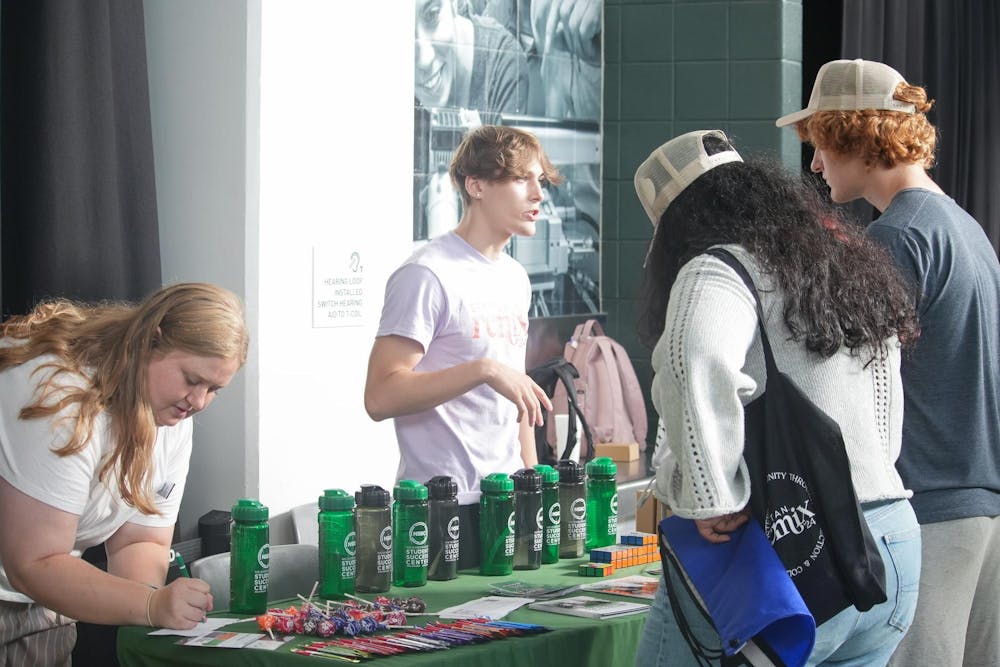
{"points": [[842, 289]]}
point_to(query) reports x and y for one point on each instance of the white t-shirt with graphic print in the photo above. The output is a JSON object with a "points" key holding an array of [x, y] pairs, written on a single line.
{"points": [[460, 306]]}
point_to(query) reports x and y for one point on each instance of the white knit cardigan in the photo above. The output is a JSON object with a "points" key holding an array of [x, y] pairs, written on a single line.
{"points": [[709, 363]]}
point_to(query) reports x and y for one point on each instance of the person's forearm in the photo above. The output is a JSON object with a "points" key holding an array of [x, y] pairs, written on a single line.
{"points": [[529, 452], [75, 588], [408, 392]]}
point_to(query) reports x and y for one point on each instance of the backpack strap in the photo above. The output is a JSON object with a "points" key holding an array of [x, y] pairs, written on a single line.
{"points": [[568, 373], [635, 403], [557, 377], [582, 332], [609, 358]]}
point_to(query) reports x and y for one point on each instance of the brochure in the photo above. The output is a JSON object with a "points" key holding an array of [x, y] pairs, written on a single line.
{"points": [[493, 606], [635, 586], [523, 589], [224, 639], [586, 606]]}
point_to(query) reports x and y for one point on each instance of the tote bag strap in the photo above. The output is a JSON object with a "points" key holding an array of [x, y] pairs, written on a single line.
{"points": [[730, 260]]}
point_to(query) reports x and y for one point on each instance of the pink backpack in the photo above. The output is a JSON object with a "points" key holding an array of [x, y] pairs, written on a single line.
{"points": [[607, 390]]}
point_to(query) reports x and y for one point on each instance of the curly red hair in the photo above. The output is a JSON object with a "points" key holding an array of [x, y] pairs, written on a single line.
{"points": [[880, 137]]}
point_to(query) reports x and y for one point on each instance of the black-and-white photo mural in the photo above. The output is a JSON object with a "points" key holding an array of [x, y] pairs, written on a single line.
{"points": [[536, 65]]}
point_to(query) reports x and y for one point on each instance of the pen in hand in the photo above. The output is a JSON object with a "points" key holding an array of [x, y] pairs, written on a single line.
{"points": [[177, 558]]}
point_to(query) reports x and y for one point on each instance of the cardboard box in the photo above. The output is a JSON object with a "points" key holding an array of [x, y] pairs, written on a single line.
{"points": [[648, 512], [618, 451]]}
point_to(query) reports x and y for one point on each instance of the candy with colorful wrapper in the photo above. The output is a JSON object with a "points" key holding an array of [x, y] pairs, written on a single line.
{"points": [[352, 618]]}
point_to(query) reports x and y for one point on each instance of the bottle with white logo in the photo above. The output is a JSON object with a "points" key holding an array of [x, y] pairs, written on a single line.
{"points": [[528, 519], [496, 524], [602, 503], [550, 512], [573, 504], [250, 558], [409, 535], [444, 528], [373, 528], [337, 544]]}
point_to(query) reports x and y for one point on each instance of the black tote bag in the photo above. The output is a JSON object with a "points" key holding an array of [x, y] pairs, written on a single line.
{"points": [[802, 494]]}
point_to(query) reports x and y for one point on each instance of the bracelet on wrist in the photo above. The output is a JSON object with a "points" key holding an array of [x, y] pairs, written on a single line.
{"points": [[149, 606]]}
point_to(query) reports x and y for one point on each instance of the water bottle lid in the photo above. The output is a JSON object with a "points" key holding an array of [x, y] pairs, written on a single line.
{"points": [[549, 474], [409, 489], [248, 509], [336, 500], [496, 482], [602, 465], [442, 487], [569, 471], [527, 479], [372, 495]]}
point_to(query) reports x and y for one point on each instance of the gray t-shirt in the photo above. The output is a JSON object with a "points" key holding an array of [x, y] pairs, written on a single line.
{"points": [[951, 379]]}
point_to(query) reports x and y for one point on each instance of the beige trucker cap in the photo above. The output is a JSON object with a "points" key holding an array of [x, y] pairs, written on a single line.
{"points": [[676, 164], [852, 85]]}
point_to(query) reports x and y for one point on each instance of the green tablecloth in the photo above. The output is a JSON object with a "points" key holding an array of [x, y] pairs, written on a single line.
{"points": [[574, 641]]}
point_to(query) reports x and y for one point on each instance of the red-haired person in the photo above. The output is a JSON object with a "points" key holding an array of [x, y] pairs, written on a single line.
{"points": [[874, 142]]}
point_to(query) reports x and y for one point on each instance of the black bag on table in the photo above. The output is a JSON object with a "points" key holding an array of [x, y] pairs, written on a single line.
{"points": [[802, 494], [546, 376]]}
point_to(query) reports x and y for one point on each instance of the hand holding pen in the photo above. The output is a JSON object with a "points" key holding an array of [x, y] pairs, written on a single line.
{"points": [[181, 604]]}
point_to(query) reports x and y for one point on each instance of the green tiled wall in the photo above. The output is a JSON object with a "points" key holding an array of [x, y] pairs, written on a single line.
{"points": [[672, 66]]}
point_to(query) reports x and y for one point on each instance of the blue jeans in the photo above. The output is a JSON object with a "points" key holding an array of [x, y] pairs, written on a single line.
{"points": [[849, 639]]}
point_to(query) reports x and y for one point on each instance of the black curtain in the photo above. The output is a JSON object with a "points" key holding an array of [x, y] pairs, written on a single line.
{"points": [[949, 47], [77, 192]]}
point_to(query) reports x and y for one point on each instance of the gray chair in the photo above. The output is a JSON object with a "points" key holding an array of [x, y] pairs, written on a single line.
{"points": [[214, 569], [304, 524], [293, 570]]}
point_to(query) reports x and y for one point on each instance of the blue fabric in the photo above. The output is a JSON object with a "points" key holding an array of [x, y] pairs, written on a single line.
{"points": [[745, 588], [850, 639]]}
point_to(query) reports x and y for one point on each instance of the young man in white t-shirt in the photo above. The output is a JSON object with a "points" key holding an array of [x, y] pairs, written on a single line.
{"points": [[448, 359]]}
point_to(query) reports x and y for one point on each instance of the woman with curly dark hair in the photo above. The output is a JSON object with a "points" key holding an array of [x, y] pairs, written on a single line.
{"points": [[836, 313], [873, 141]]}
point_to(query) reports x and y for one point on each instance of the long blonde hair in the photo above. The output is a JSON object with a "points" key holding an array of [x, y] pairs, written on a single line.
{"points": [[110, 345]]}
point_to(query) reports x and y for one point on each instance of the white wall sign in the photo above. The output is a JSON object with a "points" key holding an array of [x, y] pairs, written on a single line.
{"points": [[338, 288]]}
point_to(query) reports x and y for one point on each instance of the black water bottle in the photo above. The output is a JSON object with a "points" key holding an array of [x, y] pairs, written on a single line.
{"points": [[527, 519], [373, 529], [442, 510], [573, 504]]}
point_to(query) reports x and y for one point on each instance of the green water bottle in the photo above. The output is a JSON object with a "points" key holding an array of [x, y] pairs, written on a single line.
{"points": [[573, 506], [550, 513], [409, 534], [602, 503], [250, 558], [337, 544], [496, 524]]}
